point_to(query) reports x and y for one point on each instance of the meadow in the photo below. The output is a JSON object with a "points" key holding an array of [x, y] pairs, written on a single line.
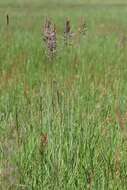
{"points": [[63, 122]]}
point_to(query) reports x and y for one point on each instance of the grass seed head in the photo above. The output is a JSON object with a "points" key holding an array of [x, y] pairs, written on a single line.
{"points": [[82, 29], [67, 32], [7, 17], [43, 142], [49, 37]]}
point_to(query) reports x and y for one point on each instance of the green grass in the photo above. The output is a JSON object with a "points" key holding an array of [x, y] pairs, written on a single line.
{"points": [[78, 101]]}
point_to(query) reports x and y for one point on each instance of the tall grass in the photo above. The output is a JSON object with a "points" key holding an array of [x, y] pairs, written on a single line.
{"points": [[63, 125]]}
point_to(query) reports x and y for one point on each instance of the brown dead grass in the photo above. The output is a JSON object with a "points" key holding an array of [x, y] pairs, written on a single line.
{"points": [[12, 75]]}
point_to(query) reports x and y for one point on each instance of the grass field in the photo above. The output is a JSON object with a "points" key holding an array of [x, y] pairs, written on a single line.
{"points": [[63, 122]]}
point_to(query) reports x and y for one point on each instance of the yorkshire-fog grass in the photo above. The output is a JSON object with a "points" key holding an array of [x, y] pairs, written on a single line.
{"points": [[63, 123]]}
